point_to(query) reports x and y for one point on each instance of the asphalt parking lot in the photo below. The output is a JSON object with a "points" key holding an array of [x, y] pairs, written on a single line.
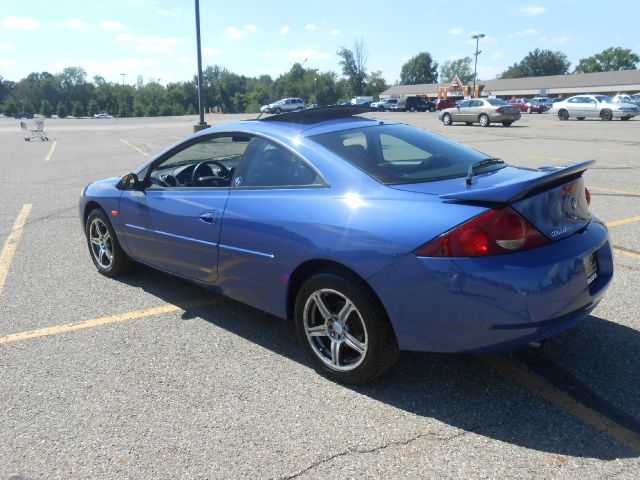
{"points": [[152, 377]]}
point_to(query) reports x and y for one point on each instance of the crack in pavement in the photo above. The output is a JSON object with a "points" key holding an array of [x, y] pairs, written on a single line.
{"points": [[396, 443]]}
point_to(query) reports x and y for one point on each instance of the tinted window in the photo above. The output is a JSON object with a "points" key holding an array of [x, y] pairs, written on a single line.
{"points": [[398, 154], [464, 104], [267, 164], [496, 102]]}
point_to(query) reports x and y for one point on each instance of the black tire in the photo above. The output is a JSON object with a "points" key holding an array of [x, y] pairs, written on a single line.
{"points": [[606, 115], [277, 111], [446, 119], [483, 120], [413, 109], [624, 119], [468, 124], [563, 115], [580, 118], [330, 340], [432, 109], [102, 242], [506, 124], [529, 110], [381, 109]]}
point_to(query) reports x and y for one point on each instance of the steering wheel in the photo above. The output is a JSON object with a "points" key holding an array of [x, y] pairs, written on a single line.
{"points": [[220, 172]]}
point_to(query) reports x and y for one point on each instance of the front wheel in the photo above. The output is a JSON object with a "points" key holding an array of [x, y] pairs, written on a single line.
{"points": [[624, 118], [563, 115], [106, 253], [413, 109], [446, 119], [278, 111], [606, 115], [580, 118], [432, 109], [506, 124], [483, 120], [343, 328]]}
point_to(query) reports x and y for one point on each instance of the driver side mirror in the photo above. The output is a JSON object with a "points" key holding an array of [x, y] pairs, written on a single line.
{"points": [[130, 182]]}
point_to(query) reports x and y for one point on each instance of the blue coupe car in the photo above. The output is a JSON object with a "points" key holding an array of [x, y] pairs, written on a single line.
{"points": [[373, 236]]}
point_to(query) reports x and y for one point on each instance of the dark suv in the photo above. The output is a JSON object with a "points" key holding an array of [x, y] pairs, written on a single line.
{"points": [[411, 104]]}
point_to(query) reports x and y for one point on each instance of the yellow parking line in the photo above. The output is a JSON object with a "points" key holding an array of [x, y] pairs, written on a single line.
{"points": [[134, 147], [11, 244], [50, 154], [96, 322], [628, 254], [624, 192], [520, 375], [623, 221]]}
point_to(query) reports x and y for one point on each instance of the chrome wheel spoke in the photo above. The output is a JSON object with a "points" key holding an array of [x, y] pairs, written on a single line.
{"points": [[346, 311], [355, 344], [95, 241], [319, 331], [322, 308], [335, 352]]}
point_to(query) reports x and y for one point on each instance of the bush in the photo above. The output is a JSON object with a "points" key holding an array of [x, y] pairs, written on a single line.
{"points": [[77, 109], [61, 110], [92, 108], [10, 107]]}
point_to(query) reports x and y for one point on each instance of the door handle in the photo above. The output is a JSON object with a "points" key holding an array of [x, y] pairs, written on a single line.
{"points": [[209, 217]]}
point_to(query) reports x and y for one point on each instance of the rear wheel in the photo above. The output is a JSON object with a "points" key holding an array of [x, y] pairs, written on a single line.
{"points": [[563, 115], [483, 120], [625, 118], [506, 124], [468, 124], [606, 115], [343, 328], [278, 111], [413, 109], [106, 253], [446, 119], [432, 109], [580, 118]]}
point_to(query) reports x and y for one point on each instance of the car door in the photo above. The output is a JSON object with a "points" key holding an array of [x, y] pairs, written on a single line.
{"points": [[174, 222], [461, 111], [261, 233]]}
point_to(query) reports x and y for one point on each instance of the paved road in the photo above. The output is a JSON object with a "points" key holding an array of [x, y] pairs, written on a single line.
{"points": [[165, 380]]}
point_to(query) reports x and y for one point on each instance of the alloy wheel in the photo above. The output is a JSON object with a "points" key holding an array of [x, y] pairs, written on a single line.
{"points": [[101, 243]]}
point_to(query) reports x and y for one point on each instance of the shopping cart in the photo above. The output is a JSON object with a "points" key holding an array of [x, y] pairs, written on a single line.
{"points": [[36, 128]]}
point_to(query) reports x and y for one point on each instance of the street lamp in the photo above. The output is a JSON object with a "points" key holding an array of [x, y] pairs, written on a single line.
{"points": [[477, 38], [202, 125], [123, 75]]}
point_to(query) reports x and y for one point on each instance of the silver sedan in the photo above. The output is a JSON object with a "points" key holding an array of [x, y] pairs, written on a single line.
{"points": [[593, 106], [481, 110]]}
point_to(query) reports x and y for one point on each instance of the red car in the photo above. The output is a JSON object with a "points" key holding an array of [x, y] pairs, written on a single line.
{"points": [[526, 105], [443, 103]]}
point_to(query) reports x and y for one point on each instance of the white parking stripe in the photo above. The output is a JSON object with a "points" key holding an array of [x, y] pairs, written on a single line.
{"points": [[50, 154], [10, 246]]}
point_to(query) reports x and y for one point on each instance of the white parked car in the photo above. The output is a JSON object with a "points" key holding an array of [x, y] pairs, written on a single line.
{"points": [[386, 104], [593, 106], [284, 105]]}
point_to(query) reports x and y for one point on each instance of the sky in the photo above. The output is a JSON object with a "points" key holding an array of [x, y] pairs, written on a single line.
{"points": [[156, 38]]}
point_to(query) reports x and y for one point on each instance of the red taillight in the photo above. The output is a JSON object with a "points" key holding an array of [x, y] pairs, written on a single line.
{"points": [[500, 110], [495, 232], [587, 195]]}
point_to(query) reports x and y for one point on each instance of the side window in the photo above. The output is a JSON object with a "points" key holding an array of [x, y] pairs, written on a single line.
{"points": [[465, 104], [210, 162], [575, 100], [267, 164]]}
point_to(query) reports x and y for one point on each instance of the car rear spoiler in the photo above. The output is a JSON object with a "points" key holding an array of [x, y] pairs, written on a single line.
{"points": [[517, 188]]}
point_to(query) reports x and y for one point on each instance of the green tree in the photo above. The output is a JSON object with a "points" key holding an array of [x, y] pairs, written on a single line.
{"points": [[354, 67], [46, 109], [77, 109], [10, 107], [609, 60], [539, 63], [461, 67], [93, 107], [376, 84], [61, 110], [419, 69]]}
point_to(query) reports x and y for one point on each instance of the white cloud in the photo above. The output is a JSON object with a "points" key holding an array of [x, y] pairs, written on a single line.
{"points": [[185, 59], [308, 53], [149, 44], [269, 53], [311, 27], [5, 45], [456, 31], [7, 61], [233, 33], [23, 23], [109, 25], [110, 70], [285, 30], [524, 33], [77, 24], [563, 39], [530, 10], [167, 13], [335, 32], [212, 52], [497, 56], [251, 27]]}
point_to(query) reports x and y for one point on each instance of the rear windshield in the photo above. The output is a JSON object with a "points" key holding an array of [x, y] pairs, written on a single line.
{"points": [[399, 154]]}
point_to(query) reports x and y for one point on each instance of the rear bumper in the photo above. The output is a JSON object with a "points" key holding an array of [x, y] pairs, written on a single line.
{"points": [[495, 303]]}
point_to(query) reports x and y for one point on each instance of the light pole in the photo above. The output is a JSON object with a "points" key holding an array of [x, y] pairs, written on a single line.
{"points": [[123, 75], [202, 125], [477, 38], [315, 85]]}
